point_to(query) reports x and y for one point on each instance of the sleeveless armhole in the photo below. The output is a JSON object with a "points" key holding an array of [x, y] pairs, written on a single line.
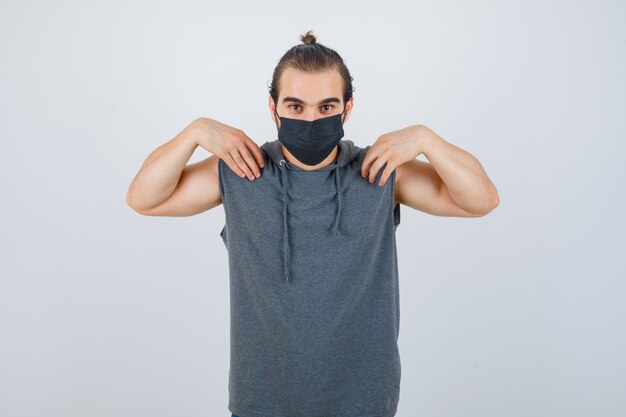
{"points": [[220, 171], [396, 208]]}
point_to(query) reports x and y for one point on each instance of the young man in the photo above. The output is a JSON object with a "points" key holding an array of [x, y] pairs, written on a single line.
{"points": [[310, 234]]}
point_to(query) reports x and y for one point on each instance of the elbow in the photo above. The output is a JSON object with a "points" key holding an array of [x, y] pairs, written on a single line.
{"points": [[495, 198], [494, 201], [130, 203]]}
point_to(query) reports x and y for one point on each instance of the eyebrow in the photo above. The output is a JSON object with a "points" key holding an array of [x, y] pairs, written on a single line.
{"points": [[297, 100]]}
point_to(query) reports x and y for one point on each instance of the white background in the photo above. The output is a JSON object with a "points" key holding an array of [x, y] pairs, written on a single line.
{"points": [[104, 312]]}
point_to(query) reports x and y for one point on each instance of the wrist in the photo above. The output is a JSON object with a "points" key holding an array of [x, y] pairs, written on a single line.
{"points": [[423, 139], [192, 132]]}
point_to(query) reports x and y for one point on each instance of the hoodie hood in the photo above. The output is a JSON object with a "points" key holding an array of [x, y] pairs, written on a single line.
{"points": [[347, 152]]}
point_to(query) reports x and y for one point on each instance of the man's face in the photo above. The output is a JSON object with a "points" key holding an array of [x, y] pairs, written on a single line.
{"points": [[309, 96]]}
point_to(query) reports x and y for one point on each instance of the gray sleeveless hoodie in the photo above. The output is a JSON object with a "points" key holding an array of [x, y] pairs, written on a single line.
{"points": [[314, 296]]}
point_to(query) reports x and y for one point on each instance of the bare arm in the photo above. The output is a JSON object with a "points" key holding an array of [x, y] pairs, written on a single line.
{"points": [[160, 173], [452, 183], [196, 191], [166, 186]]}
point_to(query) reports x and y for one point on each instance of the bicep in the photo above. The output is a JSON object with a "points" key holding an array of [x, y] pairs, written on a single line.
{"points": [[420, 187], [197, 191]]}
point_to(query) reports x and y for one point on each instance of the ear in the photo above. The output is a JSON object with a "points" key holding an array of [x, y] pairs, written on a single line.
{"points": [[349, 105], [272, 106]]}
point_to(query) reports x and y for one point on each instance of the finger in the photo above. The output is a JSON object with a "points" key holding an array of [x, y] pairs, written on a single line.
{"points": [[250, 147], [250, 161], [385, 175], [375, 168], [370, 156], [256, 152], [232, 165], [242, 165]]}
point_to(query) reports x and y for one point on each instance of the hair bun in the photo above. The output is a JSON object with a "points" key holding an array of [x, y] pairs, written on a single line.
{"points": [[308, 38]]}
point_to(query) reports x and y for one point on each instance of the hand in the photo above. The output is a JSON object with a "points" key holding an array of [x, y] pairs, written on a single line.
{"points": [[394, 149], [231, 145]]}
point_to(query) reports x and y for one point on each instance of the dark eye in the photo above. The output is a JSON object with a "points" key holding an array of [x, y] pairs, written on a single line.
{"points": [[328, 105], [291, 106]]}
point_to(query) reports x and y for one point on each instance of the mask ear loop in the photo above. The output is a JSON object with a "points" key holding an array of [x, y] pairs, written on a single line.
{"points": [[278, 118]]}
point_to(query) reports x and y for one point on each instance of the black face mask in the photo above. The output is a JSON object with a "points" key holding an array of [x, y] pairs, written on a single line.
{"points": [[311, 142]]}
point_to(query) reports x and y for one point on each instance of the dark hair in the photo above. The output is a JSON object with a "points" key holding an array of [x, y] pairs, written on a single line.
{"points": [[311, 56]]}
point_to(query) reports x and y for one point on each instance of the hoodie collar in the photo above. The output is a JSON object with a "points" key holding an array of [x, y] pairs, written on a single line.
{"points": [[347, 152]]}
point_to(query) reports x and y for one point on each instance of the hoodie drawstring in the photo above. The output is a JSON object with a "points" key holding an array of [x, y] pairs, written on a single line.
{"points": [[285, 230], [285, 186], [338, 187]]}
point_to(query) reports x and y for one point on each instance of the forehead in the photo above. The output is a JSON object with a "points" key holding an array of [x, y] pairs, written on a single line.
{"points": [[311, 87]]}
